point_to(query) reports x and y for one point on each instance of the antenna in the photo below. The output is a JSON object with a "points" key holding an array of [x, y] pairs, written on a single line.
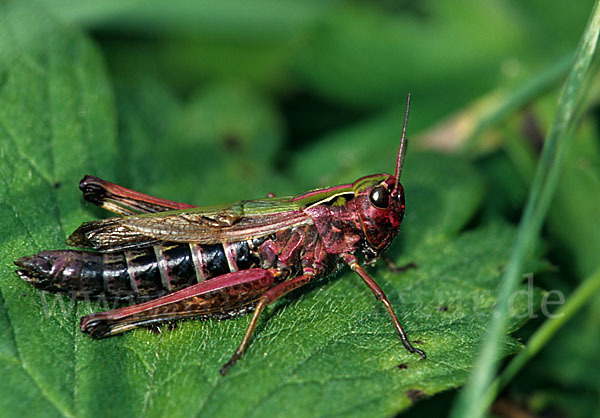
{"points": [[402, 149]]}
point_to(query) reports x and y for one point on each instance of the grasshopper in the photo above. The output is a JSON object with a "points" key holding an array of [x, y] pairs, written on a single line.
{"points": [[219, 261]]}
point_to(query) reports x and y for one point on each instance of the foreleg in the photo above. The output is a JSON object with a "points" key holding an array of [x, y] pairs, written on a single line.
{"points": [[353, 263]]}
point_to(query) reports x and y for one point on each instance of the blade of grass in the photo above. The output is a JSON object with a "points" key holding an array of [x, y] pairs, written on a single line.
{"points": [[471, 401], [543, 334]]}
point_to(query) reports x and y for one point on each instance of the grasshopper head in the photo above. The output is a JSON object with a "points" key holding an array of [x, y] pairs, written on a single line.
{"points": [[380, 202]]}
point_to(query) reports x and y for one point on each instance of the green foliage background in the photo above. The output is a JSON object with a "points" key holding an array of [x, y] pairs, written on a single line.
{"points": [[215, 101]]}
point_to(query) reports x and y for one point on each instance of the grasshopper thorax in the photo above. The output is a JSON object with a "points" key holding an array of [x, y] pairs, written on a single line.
{"points": [[379, 204]]}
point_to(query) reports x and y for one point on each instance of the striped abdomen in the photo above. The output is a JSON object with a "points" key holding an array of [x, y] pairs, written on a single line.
{"points": [[146, 272]]}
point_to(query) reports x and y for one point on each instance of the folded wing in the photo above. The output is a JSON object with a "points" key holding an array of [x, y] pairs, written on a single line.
{"points": [[114, 234]]}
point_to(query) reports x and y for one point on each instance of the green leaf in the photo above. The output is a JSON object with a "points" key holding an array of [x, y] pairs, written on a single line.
{"points": [[327, 349]]}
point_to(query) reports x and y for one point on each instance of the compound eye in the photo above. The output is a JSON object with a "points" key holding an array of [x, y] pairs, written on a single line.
{"points": [[380, 197]]}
